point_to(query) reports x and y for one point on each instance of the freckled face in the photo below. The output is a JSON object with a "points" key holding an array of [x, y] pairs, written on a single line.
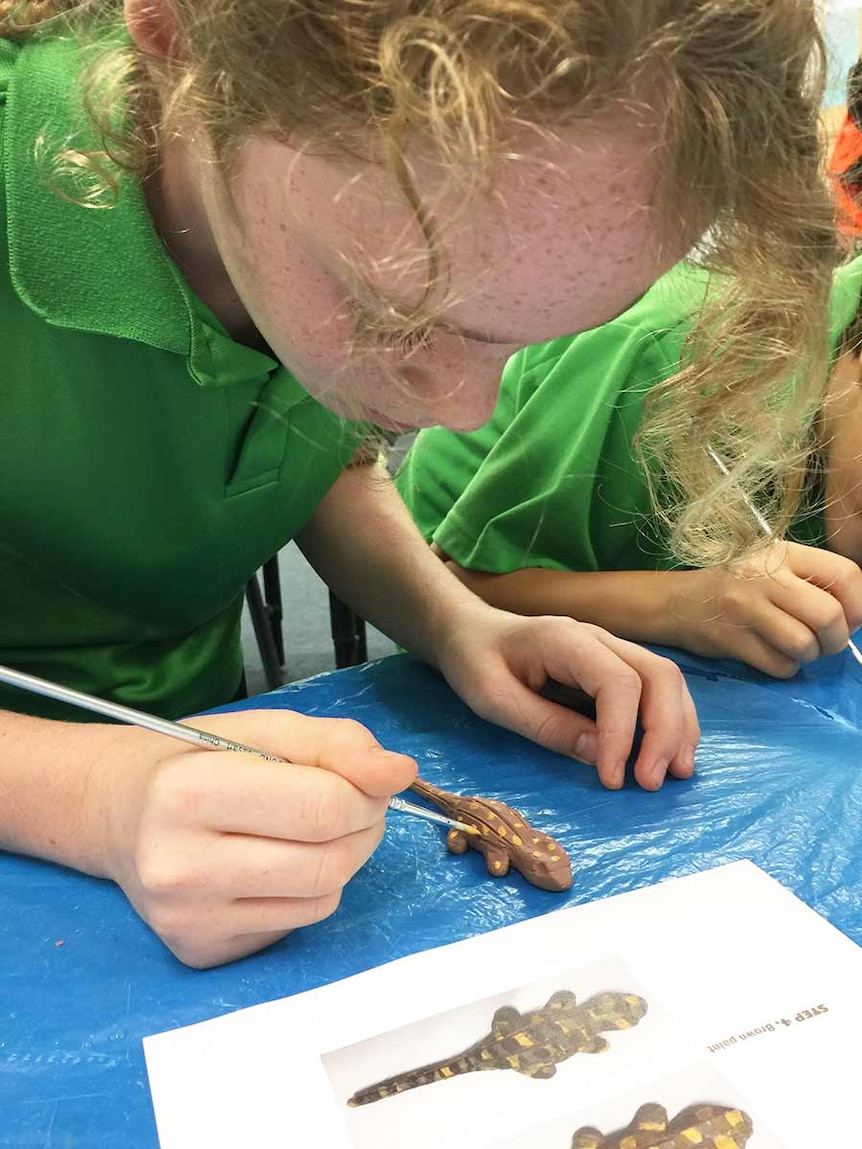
{"points": [[566, 241]]}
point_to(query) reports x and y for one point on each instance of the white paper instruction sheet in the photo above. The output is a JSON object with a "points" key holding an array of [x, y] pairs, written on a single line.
{"points": [[714, 1010]]}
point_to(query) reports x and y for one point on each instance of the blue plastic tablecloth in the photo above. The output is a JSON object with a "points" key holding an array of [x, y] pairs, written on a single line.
{"points": [[778, 781]]}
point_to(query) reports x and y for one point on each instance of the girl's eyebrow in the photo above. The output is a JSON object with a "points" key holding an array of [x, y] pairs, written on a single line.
{"points": [[471, 333]]}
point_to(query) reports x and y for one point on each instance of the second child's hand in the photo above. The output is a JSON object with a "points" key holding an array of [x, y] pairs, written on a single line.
{"points": [[766, 530]]}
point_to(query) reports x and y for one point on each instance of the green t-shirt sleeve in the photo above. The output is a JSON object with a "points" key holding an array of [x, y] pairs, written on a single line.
{"points": [[844, 300], [552, 480], [8, 55], [439, 469]]}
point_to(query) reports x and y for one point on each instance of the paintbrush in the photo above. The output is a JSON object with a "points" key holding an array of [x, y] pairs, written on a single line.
{"points": [[184, 733], [767, 531]]}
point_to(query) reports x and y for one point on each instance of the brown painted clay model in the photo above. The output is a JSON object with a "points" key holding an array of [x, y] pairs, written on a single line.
{"points": [[530, 1043], [701, 1126], [504, 838]]}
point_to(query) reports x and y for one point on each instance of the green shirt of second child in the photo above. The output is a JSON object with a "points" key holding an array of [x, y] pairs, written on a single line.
{"points": [[552, 479]]}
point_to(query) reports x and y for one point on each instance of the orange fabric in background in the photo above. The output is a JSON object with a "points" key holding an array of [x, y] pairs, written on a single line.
{"points": [[847, 188]]}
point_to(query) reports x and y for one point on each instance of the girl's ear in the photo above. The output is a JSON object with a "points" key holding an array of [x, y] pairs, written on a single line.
{"points": [[152, 24]]}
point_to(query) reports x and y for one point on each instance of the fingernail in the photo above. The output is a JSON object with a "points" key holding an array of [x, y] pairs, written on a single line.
{"points": [[618, 776], [393, 762], [659, 771], [688, 760], [392, 756], [586, 747]]}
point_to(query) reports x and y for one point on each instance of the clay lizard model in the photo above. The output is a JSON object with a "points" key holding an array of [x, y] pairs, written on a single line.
{"points": [[504, 838], [531, 1043], [700, 1126]]}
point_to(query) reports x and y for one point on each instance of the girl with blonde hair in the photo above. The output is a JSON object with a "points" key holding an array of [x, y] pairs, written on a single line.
{"points": [[240, 236]]}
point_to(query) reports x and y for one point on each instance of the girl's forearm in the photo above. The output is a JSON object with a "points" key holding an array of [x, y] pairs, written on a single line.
{"points": [[636, 605], [842, 428], [364, 545], [49, 772]]}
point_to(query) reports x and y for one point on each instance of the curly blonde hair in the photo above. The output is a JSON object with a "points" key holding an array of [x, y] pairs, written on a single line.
{"points": [[734, 86]]}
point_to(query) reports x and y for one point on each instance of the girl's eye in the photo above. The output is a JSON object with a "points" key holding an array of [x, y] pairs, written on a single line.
{"points": [[403, 340], [383, 332]]}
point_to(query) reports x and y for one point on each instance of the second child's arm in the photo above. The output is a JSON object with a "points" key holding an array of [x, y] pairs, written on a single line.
{"points": [[787, 605], [842, 427]]}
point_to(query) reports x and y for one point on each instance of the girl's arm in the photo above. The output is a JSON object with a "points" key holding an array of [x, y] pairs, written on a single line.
{"points": [[364, 544], [633, 604], [787, 605], [842, 428]]}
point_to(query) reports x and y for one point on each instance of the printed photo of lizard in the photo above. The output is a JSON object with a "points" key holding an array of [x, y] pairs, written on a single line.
{"points": [[696, 1127], [531, 1043]]}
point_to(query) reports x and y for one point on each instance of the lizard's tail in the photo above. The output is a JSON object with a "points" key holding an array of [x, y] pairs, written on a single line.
{"points": [[412, 1079]]}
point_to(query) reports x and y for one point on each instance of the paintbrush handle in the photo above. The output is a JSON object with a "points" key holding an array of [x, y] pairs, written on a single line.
{"points": [[756, 514], [406, 807], [125, 714], [190, 734]]}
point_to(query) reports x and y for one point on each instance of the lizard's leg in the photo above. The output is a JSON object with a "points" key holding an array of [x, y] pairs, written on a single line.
{"points": [[650, 1118], [587, 1138], [496, 858], [457, 842]]}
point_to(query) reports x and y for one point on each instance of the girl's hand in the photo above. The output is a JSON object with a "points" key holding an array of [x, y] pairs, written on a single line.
{"points": [[223, 853], [498, 662], [787, 605]]}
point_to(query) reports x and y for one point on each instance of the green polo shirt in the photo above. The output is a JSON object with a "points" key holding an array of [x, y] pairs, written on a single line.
{"points": [[150, 464], [552, 480]]}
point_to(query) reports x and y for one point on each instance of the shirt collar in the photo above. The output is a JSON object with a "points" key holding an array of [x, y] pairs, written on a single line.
{"points": [[101, 270]]}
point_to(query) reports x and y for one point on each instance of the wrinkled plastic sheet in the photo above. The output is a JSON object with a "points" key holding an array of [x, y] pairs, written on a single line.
{"points": [[778, 782]]}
